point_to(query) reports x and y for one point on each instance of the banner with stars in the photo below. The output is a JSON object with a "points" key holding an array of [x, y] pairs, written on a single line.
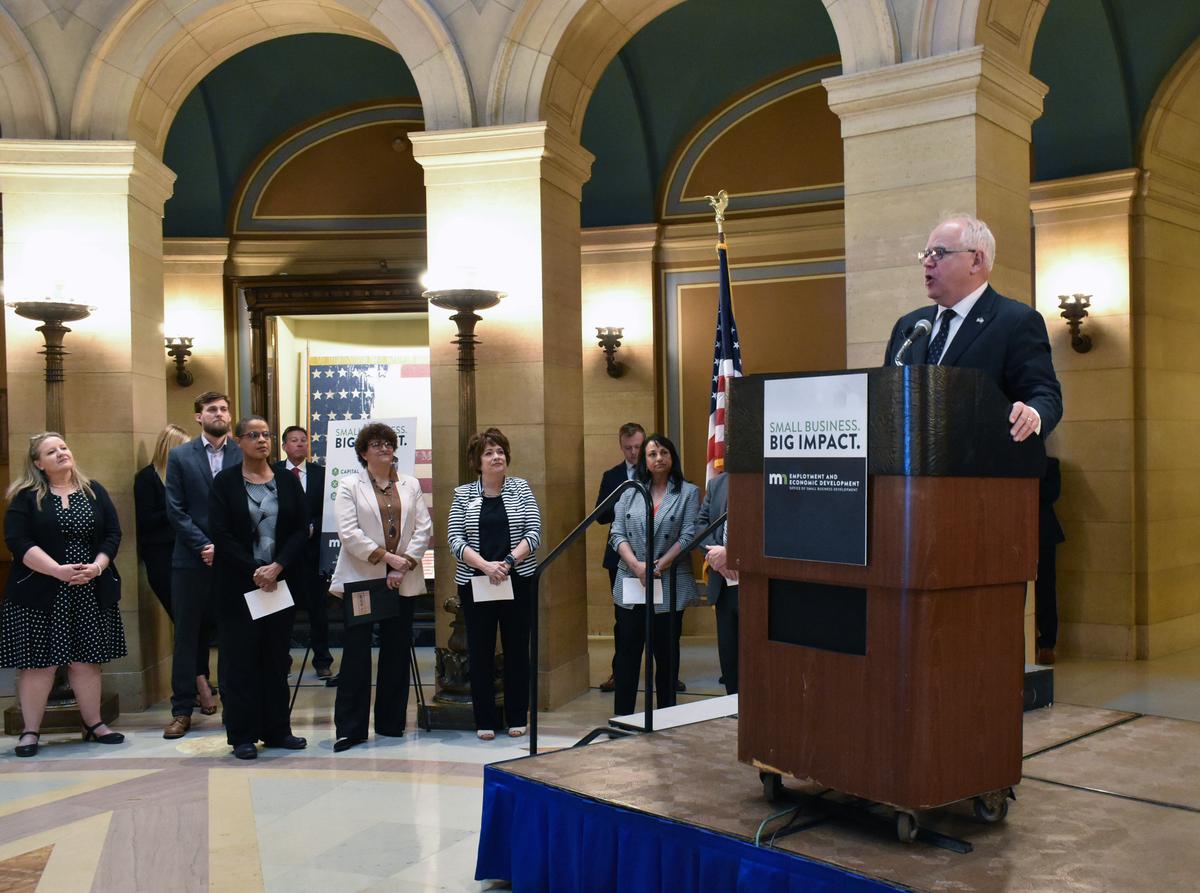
{"points": [[363, 387]]}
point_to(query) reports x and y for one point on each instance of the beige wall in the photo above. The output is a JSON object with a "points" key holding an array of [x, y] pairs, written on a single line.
{"points": [[194, 304], [1166, 319], [618, 290], [1082, 230]]}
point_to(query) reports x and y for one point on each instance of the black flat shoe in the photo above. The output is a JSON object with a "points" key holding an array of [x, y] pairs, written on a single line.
{"points": [[28, 750], [245, 751], [288, 742], [344, 744], [89, 734]]}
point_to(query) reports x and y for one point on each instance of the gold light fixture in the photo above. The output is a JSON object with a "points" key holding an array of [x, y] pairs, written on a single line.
{"points": [[610, 339], [1075, 311], [179, 348]]}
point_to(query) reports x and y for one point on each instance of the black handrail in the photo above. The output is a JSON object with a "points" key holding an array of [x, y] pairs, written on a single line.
{"points": [[684, 552], [605, 504]]}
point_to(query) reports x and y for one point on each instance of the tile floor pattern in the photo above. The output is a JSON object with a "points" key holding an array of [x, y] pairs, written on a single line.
{"points": [[402, 814]]}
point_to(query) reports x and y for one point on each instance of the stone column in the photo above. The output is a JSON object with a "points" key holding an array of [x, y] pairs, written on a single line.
{"points": [[921, 140], [83, 222], [503, 213]]}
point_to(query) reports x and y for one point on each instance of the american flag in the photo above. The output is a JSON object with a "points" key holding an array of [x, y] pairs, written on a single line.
{"points": [[727, 364]]}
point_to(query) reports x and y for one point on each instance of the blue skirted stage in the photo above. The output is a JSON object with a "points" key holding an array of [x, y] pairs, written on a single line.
{"points": [[542, 837], [1108, 800]]}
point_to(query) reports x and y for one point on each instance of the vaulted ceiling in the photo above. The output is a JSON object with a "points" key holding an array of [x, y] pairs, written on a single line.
{"points": [[1102, 59]]}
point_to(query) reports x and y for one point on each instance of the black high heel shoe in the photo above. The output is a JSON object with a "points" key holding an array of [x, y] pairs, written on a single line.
{"points": [[89, 734], [28, 750]]}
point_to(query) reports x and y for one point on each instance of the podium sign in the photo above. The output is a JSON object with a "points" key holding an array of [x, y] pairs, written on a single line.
{"points": [[815, 468]]}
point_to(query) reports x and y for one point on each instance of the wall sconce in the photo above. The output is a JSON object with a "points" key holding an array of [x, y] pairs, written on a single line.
{"points": [[610, 339], [179, 348], [1074, 311]]}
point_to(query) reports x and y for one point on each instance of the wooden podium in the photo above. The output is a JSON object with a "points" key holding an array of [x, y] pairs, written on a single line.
{"points": [[899, 682]]}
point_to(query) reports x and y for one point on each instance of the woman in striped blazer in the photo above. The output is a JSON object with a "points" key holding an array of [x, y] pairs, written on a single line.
{"points": [[494, 529], [676, 507]]}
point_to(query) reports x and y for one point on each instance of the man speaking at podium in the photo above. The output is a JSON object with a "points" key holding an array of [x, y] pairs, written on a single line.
{"points": [[975, 326]]}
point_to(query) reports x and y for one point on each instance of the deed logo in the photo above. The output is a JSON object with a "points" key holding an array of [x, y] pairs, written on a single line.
{"points": [[814, 482]]}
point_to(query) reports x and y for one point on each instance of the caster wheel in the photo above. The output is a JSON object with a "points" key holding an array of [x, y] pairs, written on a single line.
{"points": [[992, 808], [772, 783], [906, 827]]}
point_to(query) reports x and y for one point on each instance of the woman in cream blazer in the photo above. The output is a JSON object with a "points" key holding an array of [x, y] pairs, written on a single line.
{"points": [[385, 529]]}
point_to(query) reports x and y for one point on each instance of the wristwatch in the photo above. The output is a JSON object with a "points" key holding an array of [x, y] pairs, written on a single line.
{"points": [[509, 560]]}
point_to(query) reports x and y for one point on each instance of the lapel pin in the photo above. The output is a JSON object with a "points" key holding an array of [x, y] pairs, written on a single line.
{"points": [[979, 319]]}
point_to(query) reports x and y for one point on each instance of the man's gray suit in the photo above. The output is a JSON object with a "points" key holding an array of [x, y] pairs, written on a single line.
{"points": [[723, 596]]}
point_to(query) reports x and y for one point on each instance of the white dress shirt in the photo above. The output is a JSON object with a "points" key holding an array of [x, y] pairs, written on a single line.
{"points": [[960, 312], [303, 473]]}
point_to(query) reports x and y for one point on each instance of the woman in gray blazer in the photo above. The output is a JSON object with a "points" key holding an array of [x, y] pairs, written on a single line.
{"points": [[676, 507]]}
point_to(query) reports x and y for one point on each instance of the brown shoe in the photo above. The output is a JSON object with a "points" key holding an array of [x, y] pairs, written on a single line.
{"points": [[1045, 657], [178, 726], [609, 684]]}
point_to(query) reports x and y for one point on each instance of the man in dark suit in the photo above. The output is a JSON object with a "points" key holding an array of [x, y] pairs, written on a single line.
{"points": [[631, 437], [722, 580], [313, 585], [190, 469], [977, 327]]}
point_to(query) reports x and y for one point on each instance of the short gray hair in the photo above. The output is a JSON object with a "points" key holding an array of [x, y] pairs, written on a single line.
{"points": [[976, 236]]}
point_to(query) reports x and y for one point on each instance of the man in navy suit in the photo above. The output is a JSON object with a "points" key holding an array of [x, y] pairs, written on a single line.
{"points": [[631, 437], [315, 584], [190, 469], [977, 327]]}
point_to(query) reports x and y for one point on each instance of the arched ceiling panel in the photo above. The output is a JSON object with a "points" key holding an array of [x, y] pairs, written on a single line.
{"points": [[670, 77], [247, 102], [1102, 60]]}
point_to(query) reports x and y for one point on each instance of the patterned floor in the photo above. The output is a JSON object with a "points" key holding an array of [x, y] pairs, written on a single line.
{"points": [[1118, 808]]}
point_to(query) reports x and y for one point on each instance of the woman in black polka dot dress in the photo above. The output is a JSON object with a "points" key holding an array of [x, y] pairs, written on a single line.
{"points": [[60, 604]]}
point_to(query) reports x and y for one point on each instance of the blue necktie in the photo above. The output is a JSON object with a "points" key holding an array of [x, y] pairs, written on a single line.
{"points": [[938, 344]]}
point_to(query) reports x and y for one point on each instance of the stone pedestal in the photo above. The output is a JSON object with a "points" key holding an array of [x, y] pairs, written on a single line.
{"points": [[64, 719]]}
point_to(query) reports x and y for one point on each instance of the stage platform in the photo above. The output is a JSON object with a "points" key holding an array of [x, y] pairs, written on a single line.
{"points": [[1109, 801]]}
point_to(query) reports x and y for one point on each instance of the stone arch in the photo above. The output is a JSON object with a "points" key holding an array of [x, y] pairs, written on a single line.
{"points": [[556, 51], [1168, 148], [1007, 27], [27, 108], [147, 61]]}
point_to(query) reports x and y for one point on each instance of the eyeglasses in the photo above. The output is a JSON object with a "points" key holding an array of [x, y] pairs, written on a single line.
{"points": [[937, 252], [380, 445], [258, 435]]}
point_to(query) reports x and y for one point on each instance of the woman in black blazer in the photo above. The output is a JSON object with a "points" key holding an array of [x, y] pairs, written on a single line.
{"points": [[62, 593], [258, 521], [155, 535]]}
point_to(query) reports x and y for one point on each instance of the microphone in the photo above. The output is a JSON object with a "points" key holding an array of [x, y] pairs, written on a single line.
{"points": [[919, 331]]}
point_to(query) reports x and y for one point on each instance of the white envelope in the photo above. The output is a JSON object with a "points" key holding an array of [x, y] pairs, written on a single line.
{"points": [[484, 590], [635, 593], [263, 603]]}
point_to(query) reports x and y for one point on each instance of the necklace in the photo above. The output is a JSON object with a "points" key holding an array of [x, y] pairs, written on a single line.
{"points": [[386, 491]]}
